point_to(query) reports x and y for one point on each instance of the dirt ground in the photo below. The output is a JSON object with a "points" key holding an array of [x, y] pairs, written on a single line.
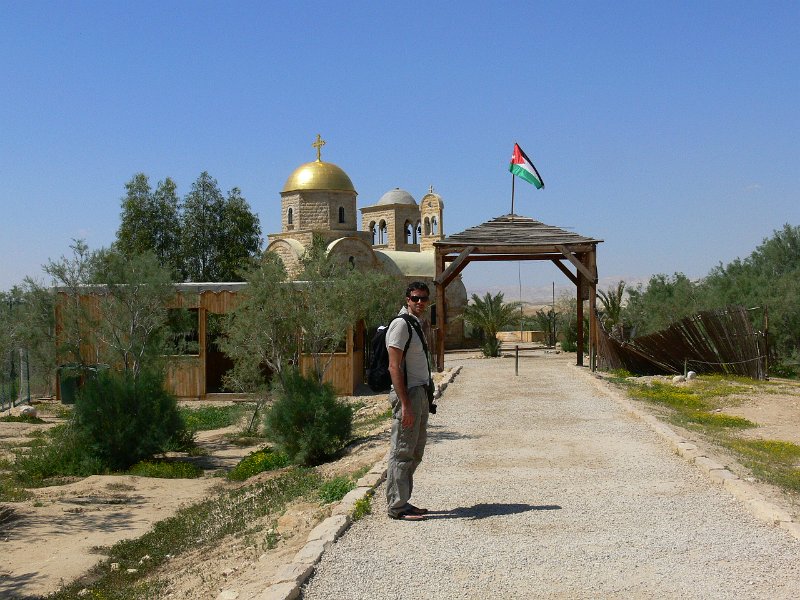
{"points": [[53, 538]]}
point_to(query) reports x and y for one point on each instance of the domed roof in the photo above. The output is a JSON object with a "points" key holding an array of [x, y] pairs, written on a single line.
{"points": [[318, 175], [397, 196]]}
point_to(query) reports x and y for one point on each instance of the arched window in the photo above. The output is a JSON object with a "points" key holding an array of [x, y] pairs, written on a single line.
{"points": [[417, 233], [341, 214], [409, 233], [382, 233], [289, 217], [427, 226], [372, 232], [434, 226]]}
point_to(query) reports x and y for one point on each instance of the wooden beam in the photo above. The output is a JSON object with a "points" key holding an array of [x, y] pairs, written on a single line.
{"points": [[512, 248], [587, 273], [455, 267], [507, 257], [566, 271]]}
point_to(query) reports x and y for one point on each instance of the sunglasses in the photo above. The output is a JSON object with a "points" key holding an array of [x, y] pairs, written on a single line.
{"points": [[419, 298]]}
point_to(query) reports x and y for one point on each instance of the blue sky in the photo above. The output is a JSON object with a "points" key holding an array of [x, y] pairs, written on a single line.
{"points": [[670, 130]]}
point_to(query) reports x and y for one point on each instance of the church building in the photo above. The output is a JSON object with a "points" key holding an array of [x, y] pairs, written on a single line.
{"points": [[396, 234]]}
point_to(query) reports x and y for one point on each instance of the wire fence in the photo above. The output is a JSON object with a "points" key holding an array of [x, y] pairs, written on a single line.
{"points": [[15, 380]]}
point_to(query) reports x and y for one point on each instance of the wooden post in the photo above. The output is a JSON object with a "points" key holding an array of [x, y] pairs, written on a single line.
{"points": [[593, 333], [441, 325], [579, 289]]}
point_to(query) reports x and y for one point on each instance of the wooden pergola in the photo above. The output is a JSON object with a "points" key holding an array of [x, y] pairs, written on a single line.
{"points": [[514, 237]]}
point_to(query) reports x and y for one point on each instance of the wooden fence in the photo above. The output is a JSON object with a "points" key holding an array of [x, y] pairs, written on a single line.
{"points": [[718, 341]]}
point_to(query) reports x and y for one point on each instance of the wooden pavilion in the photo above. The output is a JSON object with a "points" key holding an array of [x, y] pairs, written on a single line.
{"points": [[514, 237]]}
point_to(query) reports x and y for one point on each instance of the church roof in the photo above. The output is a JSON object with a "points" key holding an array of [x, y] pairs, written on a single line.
{"points": [[318, 175], [397, 196], [409, 264], [514, 231]]}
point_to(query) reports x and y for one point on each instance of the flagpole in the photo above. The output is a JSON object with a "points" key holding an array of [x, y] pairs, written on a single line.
{"points": [[513, 178]]}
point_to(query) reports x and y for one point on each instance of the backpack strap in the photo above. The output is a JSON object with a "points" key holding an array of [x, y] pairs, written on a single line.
{"points": [[411, 322]]}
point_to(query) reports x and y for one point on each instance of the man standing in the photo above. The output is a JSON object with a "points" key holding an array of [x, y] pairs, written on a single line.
{"points": [[409, 398]]}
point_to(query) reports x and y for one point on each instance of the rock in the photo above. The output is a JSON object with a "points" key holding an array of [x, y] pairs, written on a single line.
{"points": [[27, 411], [228, 595], [115, 566], [691, 375]]}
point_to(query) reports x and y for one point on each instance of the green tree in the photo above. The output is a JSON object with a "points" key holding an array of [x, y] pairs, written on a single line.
{"points": [[167, 216], [150, 222], [769, 277], [131, 322], [491, 314], [203, 218], [240, 237], [662, 302], [611, 307], [261, 334], [31, 326], [69, 276]]}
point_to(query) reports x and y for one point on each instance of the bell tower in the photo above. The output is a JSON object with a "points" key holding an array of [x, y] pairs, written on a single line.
{"points": [[431, 208]]}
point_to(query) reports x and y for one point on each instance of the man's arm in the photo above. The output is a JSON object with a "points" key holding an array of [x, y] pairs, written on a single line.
{"points": [[399, 383]]}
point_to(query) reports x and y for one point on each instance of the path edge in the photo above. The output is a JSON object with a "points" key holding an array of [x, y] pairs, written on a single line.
{"points": [[742, 490], [290, 578]]}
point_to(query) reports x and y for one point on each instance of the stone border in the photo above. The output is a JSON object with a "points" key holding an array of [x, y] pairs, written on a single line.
{"points": [[291, 577], [755, 502]]}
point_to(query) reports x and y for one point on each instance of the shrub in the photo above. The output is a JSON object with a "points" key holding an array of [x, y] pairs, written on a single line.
{"points": [[362, 507], [124, 419], [335, 489], [58, 452], [21, 419], [163, 469], [258, 462], [204, 418], [307, 421], [491, 348]]}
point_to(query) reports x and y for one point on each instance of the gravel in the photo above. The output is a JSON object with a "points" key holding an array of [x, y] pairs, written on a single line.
{"points": [[541, 486]]}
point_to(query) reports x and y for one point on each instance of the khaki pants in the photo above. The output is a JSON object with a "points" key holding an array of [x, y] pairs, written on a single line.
{"points": [[407, 448]]}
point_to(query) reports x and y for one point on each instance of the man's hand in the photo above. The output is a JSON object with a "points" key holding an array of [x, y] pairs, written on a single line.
{"points": [[408, 418]]}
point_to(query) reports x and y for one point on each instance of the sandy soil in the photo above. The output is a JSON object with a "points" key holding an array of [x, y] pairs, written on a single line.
{"points": [[53, 538]]}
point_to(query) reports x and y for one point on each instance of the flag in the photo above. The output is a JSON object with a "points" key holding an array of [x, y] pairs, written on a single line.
{"points": [[522, 167]]}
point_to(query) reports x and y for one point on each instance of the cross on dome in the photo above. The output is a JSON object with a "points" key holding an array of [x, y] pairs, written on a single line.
{"points": [[318, 144]]}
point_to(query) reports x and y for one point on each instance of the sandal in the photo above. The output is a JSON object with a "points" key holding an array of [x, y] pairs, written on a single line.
{"points": [[407, 515]]}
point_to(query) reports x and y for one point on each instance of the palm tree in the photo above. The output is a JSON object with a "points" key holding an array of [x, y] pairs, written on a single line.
{"points": [[611, 310], [490, 314]]}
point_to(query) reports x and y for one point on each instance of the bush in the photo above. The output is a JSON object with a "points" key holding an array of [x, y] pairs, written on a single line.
{"points": [[124, 420], [258, 462], [335, 489], [58, 452], [491, 348], [307, 420], [163, 469], [204, 418]]}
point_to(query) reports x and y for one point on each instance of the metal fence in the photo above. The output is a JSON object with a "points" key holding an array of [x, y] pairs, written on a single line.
{"points": [[718, 341], [15, 380]]}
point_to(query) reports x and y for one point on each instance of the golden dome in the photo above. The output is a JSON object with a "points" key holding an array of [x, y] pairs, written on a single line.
{"points": [[318, 175]]}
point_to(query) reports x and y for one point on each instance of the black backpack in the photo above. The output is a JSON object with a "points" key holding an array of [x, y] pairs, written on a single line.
{"points": [[378, 377]]}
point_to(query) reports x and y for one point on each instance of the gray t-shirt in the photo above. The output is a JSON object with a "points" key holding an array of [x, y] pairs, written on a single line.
{"points": [[416, 361]]}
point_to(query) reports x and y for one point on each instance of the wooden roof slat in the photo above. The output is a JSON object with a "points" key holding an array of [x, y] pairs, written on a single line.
{"points": [[515, 230]]}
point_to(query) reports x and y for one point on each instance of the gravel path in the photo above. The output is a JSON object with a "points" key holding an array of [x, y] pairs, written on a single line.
{"points": [[542, 487]]}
